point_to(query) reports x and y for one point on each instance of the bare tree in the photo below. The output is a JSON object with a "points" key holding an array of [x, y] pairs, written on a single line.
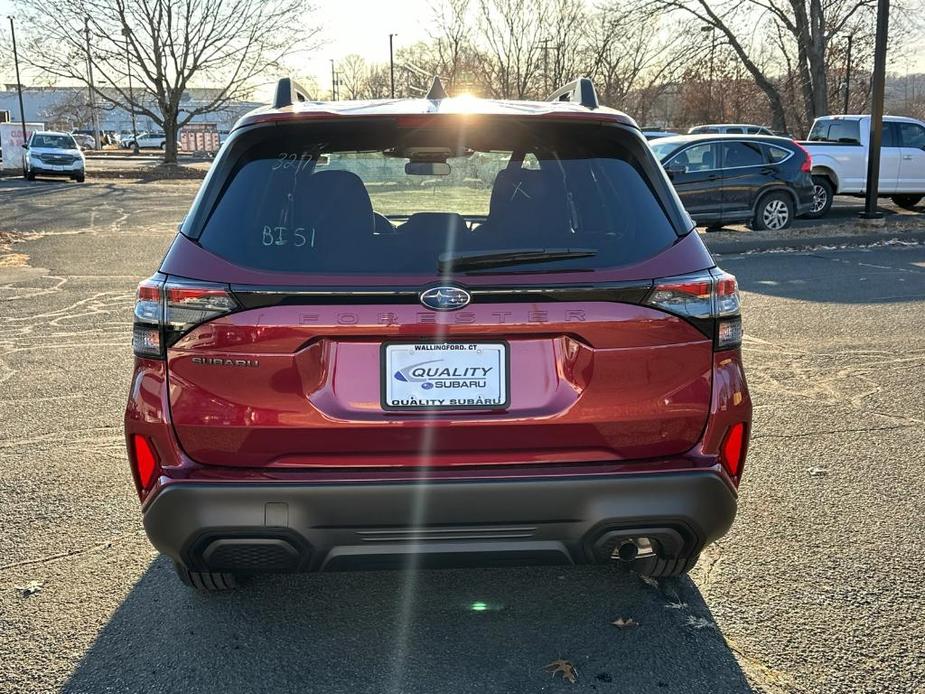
{"points": [[801, 33], [171, 47], [354, 76], [512, 31]]}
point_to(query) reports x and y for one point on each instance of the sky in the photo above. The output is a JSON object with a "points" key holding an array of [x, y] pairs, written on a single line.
{"points": [[363, 27]]}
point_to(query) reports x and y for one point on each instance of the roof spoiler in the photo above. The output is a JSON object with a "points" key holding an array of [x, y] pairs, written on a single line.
{"points": [[580, 91], [288, 92]]}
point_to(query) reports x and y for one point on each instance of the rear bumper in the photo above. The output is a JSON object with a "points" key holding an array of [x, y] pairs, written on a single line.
{"points": [[246, 526]]}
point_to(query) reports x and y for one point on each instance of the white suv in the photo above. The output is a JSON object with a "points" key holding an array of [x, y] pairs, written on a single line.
{"points": [[53, 154]]}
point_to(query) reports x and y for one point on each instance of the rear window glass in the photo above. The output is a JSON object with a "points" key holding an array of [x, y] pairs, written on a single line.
{"points": [[388, 199], [778, 154], [844, 131], [739, 154]]}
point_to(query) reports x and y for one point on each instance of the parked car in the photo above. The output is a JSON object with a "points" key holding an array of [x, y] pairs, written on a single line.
{"points": [[50, 153], [839, 146], [655, 133], [543, 368], [84, 141], [721, 179], [730, 129], [148, 141]]}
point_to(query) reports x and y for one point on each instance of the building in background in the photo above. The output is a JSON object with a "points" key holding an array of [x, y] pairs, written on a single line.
{"points": [[67, 109]]}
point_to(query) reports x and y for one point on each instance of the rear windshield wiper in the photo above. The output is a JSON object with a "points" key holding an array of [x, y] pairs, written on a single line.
{"points": [[476, 260]]}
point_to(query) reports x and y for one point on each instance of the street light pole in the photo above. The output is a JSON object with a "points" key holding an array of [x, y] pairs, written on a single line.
{"points": [[392, 64], [97, 135], [22, 111], [876, 111], [131, 96]]}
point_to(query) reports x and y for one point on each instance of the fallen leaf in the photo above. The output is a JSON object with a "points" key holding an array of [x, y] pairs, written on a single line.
{"points": [[648, 580], [31, 588], [700, 623], [568, 671], [625, 623], [817, 472], [677, 605]]}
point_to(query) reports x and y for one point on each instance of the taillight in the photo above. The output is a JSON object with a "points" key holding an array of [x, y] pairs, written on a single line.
{"points": [[732, 450], [709, 299], [146, 330], [164, 311], [146, 462], [807, 165]]}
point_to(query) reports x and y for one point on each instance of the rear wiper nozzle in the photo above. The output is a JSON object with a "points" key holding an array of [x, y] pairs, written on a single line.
{"points": [[475, 260]]}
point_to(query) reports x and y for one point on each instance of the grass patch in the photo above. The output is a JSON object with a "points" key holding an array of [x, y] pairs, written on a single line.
{"points": [[464, 200]]}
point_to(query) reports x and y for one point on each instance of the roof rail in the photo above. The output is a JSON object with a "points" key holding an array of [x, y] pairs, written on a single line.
{"points": [[288, 91], [580, 91]]}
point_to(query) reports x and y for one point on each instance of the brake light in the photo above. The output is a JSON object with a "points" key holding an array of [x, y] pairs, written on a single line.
{"points": [[732, 450], [166, 310], [709, 299], [146, 462], [807, 165]]}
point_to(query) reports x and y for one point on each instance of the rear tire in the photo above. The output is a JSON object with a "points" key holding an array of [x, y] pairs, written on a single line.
{"points": [[207, 581], [28, 175], [79, 178], [907, 202], [823, 195], [657, 567], [774, 211]]}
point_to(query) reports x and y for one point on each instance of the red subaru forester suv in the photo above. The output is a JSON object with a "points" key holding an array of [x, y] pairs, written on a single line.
{"points": [[447, 330]]}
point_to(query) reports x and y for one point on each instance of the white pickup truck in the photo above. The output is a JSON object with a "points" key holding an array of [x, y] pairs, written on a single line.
{"points": [[838, 145]]}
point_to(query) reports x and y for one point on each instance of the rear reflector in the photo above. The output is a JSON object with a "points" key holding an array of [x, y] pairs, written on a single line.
{"points": [[146, 462], [732, 450]]}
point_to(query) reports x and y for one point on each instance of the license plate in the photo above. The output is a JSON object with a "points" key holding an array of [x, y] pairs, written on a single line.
{"points": [[445, 376], [56, 167]]}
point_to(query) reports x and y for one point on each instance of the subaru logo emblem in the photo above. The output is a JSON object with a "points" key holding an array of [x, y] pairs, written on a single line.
{"points": [[445, 298]]}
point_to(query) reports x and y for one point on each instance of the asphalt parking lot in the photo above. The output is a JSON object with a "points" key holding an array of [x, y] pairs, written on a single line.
{"points": [[817, 588]]}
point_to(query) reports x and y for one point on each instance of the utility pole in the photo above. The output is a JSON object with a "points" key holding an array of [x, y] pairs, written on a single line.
{"points": [[333, 82], [97, 135], [876, 111], [848, 73], [392, 64], [22, 111], [126, 32], [545, 48]]}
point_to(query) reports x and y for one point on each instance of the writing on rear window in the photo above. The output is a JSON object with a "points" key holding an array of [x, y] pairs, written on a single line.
{"points": [[380, 198]]}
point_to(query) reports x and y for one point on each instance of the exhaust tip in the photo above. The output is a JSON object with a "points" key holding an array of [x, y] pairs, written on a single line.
{"points": [[627, 551]]}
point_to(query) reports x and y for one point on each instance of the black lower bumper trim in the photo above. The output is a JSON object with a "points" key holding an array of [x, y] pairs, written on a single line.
{"points": [[333, 526]]}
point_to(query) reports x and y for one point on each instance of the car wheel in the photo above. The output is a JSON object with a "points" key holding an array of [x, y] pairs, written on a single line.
{"points": [[657, 567], [774, 212], [823, 195], [164, 146], [79, 178], [28, 175], [208, 581], [907, 202]]}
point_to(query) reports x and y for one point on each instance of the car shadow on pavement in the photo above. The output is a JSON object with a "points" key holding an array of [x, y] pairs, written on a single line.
{"points": [[848, 276], [461, 630]]}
